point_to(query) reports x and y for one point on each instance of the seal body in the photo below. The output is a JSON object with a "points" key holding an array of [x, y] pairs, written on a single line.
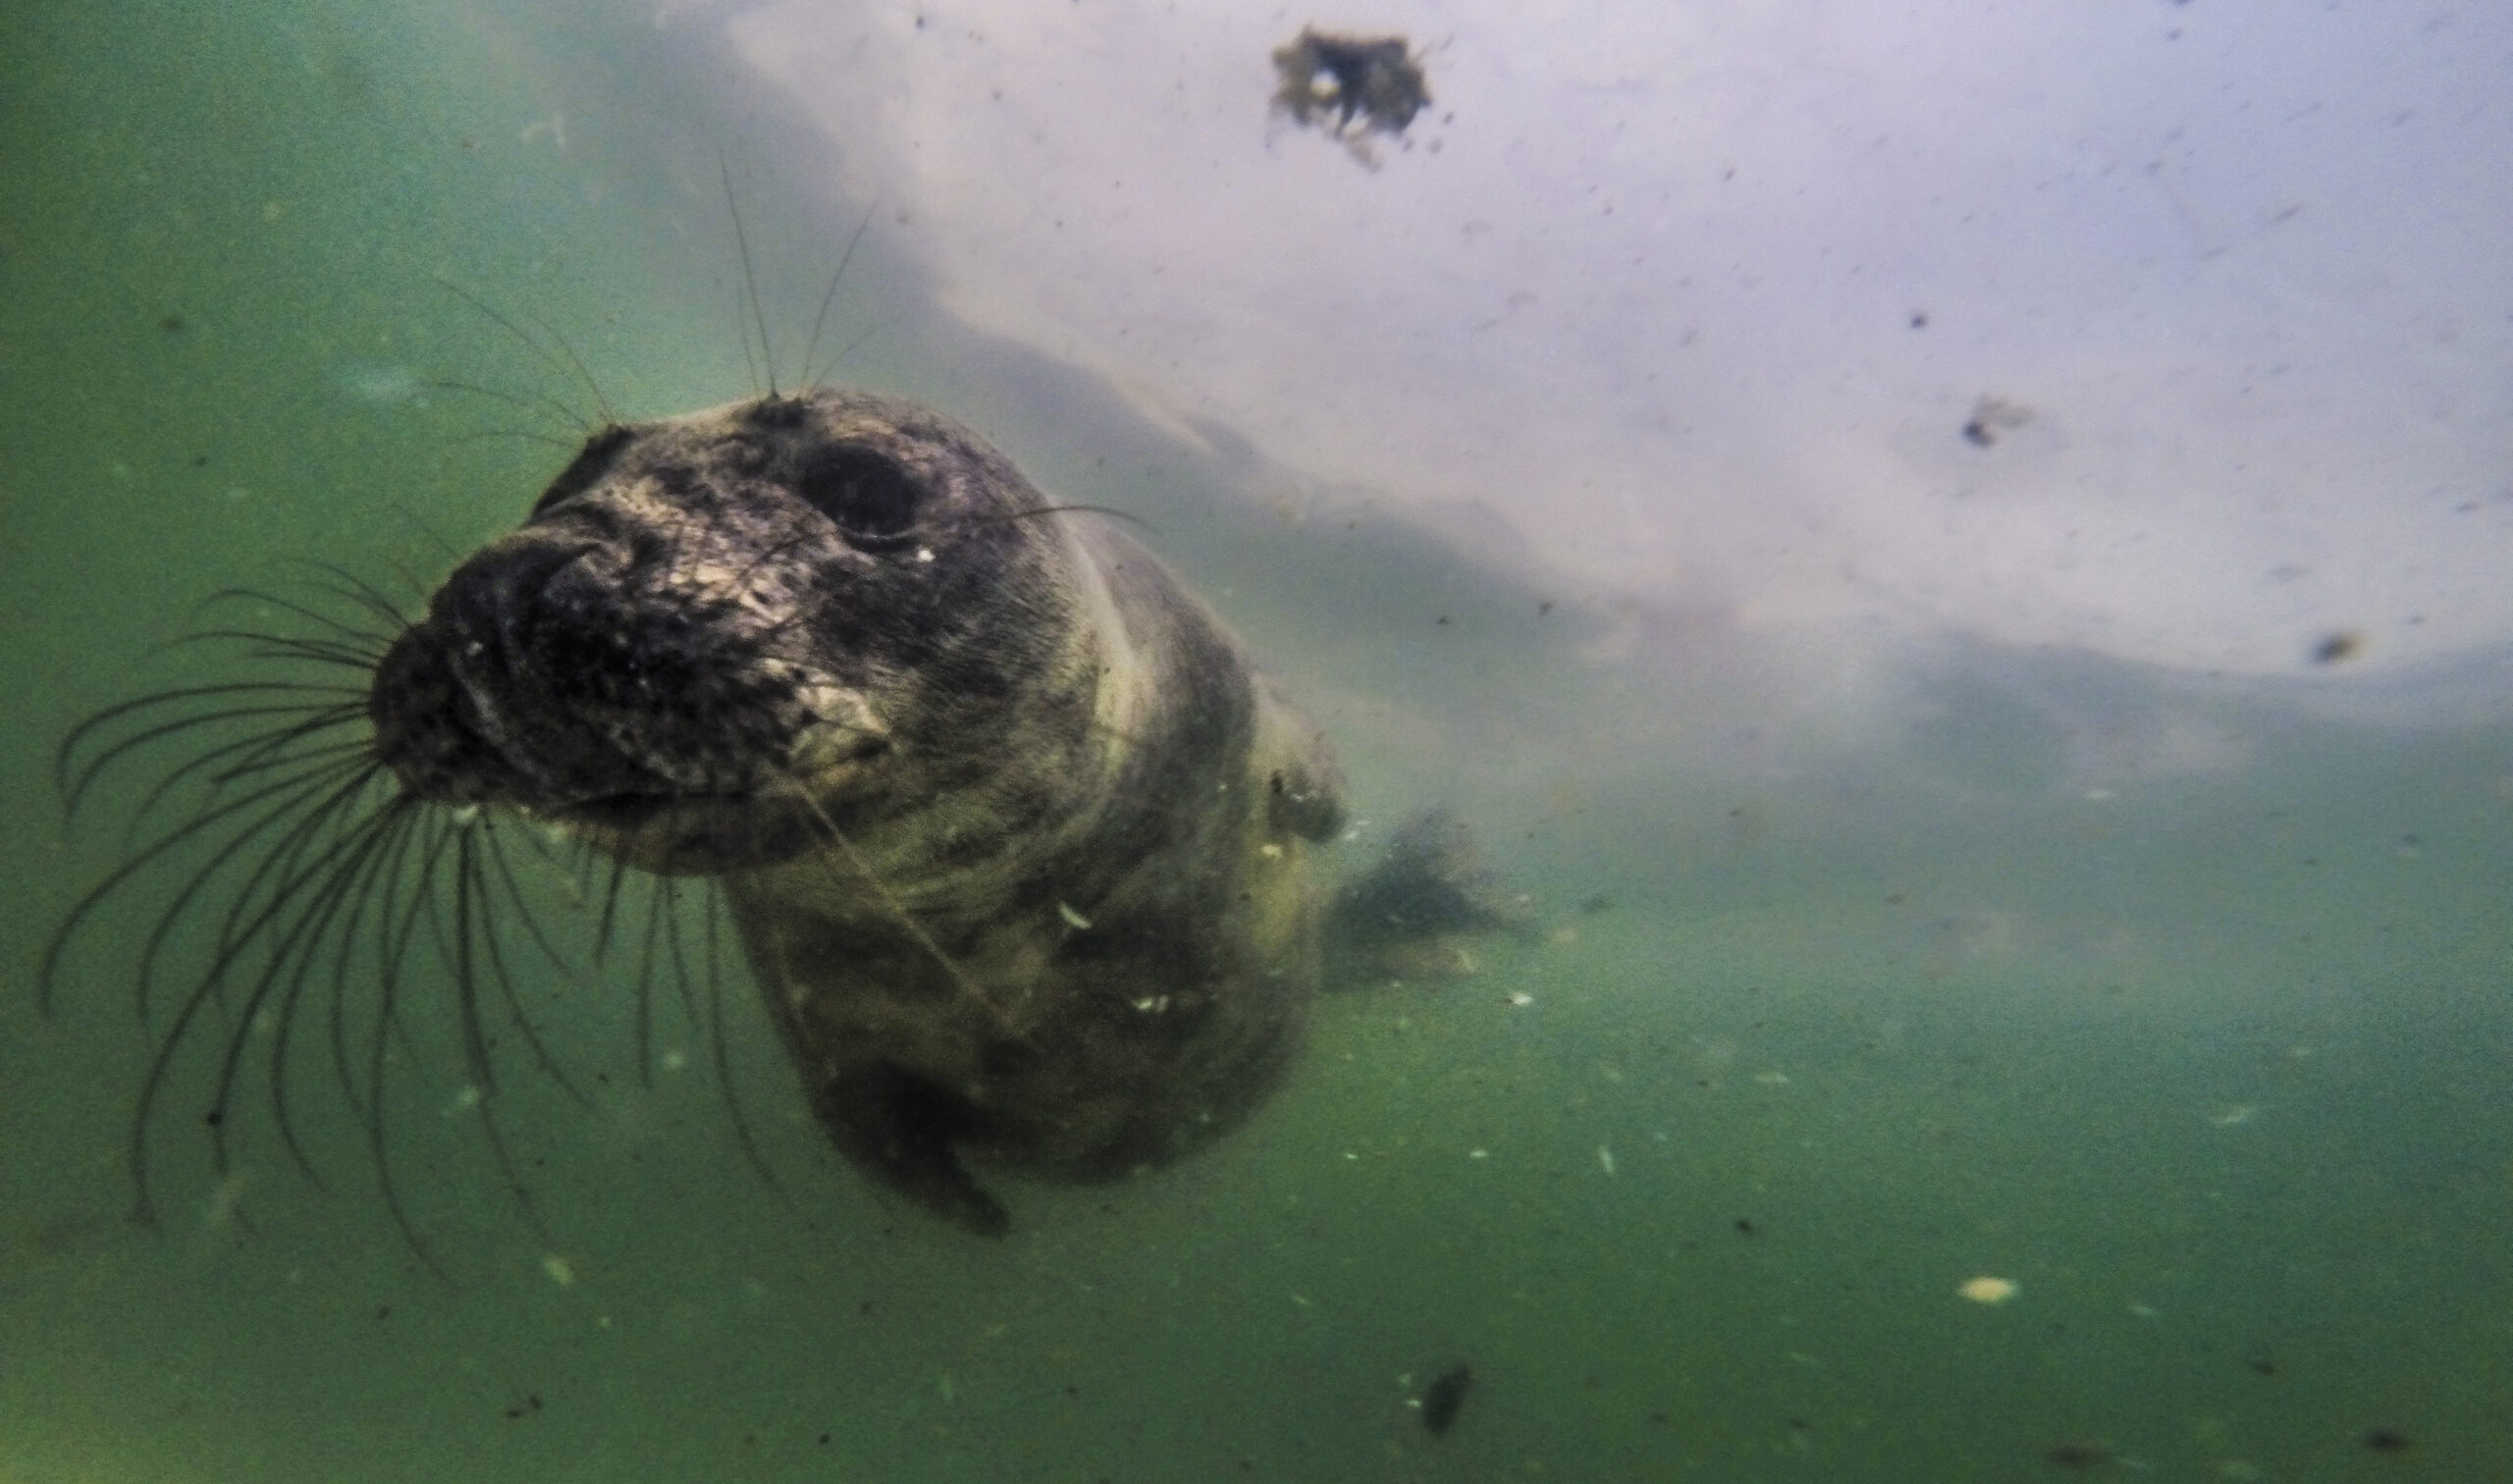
{"points": [[1013, 834]]}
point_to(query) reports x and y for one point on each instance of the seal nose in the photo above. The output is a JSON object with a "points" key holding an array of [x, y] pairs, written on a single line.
{"points": [[499, 603]]}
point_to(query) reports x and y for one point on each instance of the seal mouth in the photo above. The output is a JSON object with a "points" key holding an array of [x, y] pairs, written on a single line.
{"points": [[703, 831]]}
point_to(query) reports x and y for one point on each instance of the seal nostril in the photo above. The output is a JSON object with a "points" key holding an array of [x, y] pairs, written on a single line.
{"points": [[492, 602]]}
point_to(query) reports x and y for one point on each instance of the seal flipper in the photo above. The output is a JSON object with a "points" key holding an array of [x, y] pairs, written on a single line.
{"points": [[1404, 917], [898, 1127]]}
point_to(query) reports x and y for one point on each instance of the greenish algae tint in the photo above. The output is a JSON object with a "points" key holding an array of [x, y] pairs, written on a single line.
{"points": [[2076, 1067]]}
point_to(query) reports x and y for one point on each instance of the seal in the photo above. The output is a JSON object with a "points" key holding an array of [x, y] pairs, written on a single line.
{"points": [[1013, 833], [1016, 840]]}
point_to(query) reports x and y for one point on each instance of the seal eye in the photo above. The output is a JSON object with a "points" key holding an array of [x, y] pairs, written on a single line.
{"points": [[871, 500]]}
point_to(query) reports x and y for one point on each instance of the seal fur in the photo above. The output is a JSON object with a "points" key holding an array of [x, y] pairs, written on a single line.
{"points": [[1013, 834]]}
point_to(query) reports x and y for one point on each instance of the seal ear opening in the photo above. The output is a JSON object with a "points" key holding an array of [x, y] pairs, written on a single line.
{"points": [[871, 500]]}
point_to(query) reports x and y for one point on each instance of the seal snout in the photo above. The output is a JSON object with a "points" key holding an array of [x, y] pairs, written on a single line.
{"points": [[558, 671]]}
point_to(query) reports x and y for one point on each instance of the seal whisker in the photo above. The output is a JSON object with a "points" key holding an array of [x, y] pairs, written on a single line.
{"points": [[468, 890], [378, 835], [370, 642], [720, 1052], [263, 754], [357, 592], [526, 435], [610, 910], [964, 527], [227, 946], [526, 401], [895, 908], [391, 949], [476, 881], [289, 954], [346, 656], [523, 907], [851, 346], [800, 533], [395, 823], [278, 862], [811, 346], [310, 719], [48, 976], [657, 887], [543, 353], [750, 282], [64, 756]]}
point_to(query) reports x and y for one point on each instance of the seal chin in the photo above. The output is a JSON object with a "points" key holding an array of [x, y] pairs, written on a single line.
{"points": [[695, 833], [689, 834]]}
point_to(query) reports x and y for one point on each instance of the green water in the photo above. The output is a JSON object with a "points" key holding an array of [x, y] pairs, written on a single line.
{"points": [[2210, 1063]]}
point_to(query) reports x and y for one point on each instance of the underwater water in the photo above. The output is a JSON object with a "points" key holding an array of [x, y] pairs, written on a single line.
{"points": [[2171, 1004]]}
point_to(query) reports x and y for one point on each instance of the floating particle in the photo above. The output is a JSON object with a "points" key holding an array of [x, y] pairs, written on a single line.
{"points": [[1447, 1393], [1987, 1289], [1350, 87], [1990, 416], [2336, 646]]}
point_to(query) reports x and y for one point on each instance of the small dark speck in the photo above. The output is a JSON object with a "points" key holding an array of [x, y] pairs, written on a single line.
{"points": [[1592, 905], [2077, 1455], [1447, 1393], [214, 1117], [1658, 1417], [1746, 1226], [2383, 1440], [1919, 321], [383, 1313], [2338, 645], [200, 461], [865, 1308], [1443, 618], [2262, 1365], [174, 324], [1800, 1424], [824, 1439], [1990, 415], [1543, 606]]}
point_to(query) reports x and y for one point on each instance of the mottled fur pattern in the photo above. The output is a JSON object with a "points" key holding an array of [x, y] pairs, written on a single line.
{"points": [[1012, 832]]}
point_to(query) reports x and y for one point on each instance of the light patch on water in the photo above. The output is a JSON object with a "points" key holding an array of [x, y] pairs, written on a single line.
{"points": [[378, 384]]}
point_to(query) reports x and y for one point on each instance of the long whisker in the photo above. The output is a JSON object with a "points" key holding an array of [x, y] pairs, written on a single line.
{"points": [[65, 755], [897, 910], [723, 1056], [812, 346], [750, 282], [531, 402], [541, 354]]}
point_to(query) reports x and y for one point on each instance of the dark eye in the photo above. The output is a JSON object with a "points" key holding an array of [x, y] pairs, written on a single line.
{"points": [[589, 466], [872, 501]]}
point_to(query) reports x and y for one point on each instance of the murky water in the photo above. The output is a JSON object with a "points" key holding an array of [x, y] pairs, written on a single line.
{"points": [[2169, 1002]]}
